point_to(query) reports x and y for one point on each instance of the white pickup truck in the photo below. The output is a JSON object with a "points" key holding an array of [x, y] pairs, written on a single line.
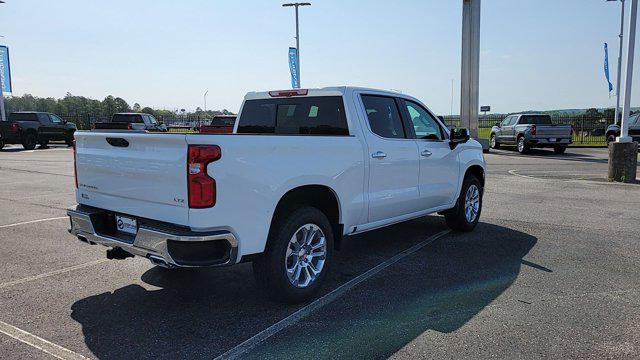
{"points": [[303, 170]]}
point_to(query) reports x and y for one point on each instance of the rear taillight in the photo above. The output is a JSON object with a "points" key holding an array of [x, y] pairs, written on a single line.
{"points": [[15, 127], [202, 188], [534, 130], [129, 126], [75, 167]]}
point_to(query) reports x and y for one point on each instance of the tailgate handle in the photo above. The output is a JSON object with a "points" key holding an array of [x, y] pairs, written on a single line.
{"points": [[119, 142]]}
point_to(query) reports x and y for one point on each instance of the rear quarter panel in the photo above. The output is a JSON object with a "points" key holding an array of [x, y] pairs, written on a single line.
{"points": [[255, 171]]}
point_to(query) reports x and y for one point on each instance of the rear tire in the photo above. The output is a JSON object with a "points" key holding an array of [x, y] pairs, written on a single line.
{"points": [[493, 143], [1, 144], [558, 150], [29, 141], [299, 244], [523, 147], [465, 216]]}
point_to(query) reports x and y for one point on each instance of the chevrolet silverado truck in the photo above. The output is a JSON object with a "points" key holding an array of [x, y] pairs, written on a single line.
{"points": [[302, 171], [613, 130], [31, 128], [132, 121], [527, 131]]}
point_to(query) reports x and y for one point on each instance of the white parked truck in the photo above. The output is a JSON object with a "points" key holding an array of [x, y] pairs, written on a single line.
{"points": [[303, 170]]}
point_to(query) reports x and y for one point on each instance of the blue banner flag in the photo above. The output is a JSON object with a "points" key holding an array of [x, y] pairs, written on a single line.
{"points": [[606, 66], [293, 67], [5, 70]]}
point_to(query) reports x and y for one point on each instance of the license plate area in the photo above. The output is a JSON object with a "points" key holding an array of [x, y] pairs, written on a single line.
{"points": [[126, 225], [553, 139]]}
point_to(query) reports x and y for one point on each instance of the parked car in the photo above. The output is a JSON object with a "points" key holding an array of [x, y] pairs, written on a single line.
{"points": [[30, 128], [613, 130], [526, 131], [220, 124], [304, 170], [132, 121]]}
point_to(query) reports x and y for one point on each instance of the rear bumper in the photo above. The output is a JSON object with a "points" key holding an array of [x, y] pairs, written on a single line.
{"points": [[161, 243], [546, 142]]}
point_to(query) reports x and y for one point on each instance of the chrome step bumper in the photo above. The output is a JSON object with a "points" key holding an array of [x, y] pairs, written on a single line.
{"points": [[162, 247]]}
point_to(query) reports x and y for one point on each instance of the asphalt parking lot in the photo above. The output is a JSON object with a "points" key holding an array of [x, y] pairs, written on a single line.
{"points": [[551, 271]]}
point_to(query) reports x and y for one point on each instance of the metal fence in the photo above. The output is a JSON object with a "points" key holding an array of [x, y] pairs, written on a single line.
{"points": [[587, 130]]}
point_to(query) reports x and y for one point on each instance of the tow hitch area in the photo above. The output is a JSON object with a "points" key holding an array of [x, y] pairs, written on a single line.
{"points": [[117, 253]]}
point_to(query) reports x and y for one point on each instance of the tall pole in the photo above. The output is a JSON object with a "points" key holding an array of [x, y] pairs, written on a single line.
{"points": [[469, 89], [205, 100], [298, 47], [297, 5], [617, 118], [3, 116], [631, 42]]}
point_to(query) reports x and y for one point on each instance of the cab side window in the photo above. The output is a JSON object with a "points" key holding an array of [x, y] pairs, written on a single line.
{"points": [[424, 125], [384, 117], [55, 119]]}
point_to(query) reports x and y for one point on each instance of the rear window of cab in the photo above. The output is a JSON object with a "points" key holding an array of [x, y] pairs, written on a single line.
{"points": [[319, 115]]}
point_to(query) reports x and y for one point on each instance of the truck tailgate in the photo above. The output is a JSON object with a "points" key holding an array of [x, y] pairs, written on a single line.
{"points": [[553, 131], [137, 174]]}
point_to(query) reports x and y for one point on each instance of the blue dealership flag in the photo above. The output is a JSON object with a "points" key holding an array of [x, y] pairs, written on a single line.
{"points": [[606, 66], [293, 67], [5, 69]]}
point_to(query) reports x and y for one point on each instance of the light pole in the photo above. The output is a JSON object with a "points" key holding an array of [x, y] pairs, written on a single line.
{"points": [[297, 5], [2, 112], [205, 101], [617, 116], [623, 153]]}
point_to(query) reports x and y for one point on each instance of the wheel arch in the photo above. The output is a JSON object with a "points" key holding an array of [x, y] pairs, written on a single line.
{"points": [[477, 171], [319, 196]]}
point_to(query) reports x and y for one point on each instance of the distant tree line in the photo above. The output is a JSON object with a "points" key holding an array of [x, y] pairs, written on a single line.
{"points": [[80, 105]]}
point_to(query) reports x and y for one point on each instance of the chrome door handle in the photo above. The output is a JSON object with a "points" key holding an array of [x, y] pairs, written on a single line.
{"points": [[378, 155], [426, 153]]}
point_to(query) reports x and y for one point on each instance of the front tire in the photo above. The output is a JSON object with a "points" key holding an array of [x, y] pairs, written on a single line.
{"points": [[465, 216], [297, 257], [1, 144], [494, 142]]}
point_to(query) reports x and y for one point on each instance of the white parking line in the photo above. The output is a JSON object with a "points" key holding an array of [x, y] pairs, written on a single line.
{"points": [[39, 343], [33, 221], [255, 340], [52, 273]]}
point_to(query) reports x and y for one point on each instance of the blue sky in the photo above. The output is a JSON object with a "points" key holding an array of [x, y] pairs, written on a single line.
{"points": [[535, 54]]}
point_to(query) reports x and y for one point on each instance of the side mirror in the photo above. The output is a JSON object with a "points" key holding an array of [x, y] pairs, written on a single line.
{"points": [[458, 136]]}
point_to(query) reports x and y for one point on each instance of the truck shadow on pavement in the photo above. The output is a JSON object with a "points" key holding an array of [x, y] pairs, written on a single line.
{"points": [[202, 314]]}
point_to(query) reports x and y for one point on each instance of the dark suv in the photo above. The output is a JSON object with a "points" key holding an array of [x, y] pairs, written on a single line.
{"points": [[634, 129], [30, 128]]}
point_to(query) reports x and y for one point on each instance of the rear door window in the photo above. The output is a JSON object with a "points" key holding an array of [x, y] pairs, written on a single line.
{"points": [[319, 115], [384, 117]]}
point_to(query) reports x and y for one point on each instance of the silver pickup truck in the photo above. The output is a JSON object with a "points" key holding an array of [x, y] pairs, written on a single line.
{"points": [[526, 131]]}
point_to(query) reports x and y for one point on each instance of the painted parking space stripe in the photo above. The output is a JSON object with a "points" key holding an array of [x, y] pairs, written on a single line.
{"points": [[32, 222], [39, 343], [305, 311], [52, 273]]}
